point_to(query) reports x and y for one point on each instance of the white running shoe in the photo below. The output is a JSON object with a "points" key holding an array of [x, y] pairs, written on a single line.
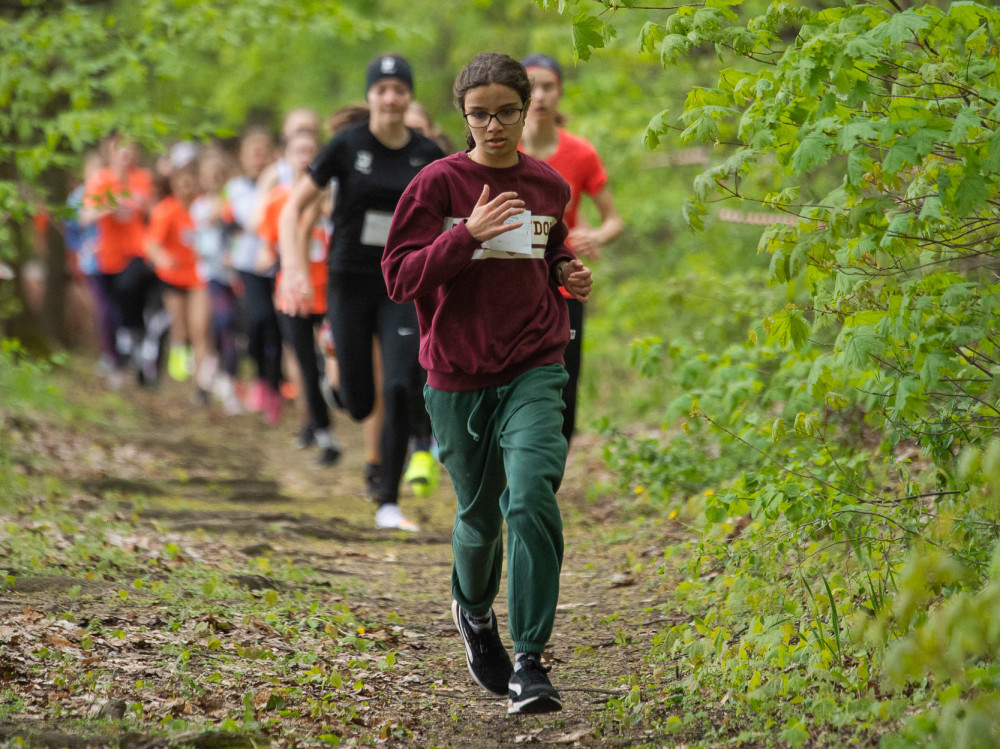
{"points": [[390, 516], [225, 391]]}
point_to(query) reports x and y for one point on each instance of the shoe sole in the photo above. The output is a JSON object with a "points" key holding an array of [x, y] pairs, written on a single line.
{"points": [[468, 655], [534, 706], [405, 529], [422, 486], [422, 490], [407, 526]]}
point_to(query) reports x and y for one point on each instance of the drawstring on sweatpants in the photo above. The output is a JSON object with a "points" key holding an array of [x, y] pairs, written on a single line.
{"points": [[475, 409]]}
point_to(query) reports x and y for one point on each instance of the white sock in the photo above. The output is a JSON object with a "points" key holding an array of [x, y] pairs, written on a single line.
{"points": [[519, 659], [479, 623]]}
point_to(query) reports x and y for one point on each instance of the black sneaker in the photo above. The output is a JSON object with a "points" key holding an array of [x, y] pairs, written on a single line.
{"points": [[306, 438], [147, 377], [328, 456], [530, 691], [373, 480], [488, 660]]}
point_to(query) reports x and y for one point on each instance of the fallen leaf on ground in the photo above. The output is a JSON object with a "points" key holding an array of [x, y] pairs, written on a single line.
{"points": [[57, 640], [569, 738]]}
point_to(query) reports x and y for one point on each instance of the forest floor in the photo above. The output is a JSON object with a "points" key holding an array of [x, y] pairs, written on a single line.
{"points": [[198, 581]]}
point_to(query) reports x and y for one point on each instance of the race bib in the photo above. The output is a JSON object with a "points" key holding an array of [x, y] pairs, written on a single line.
{"points": [[375, 230], [517, 241]]}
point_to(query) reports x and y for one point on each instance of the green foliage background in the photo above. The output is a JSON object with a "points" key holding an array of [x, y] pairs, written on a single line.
{"points": [[818, 400], [851, 500]]}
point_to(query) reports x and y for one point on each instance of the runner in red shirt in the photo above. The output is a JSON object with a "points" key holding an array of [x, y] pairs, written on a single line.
{"points": [[577, 161]]}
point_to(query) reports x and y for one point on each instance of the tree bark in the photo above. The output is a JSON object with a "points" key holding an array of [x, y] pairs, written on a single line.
{"points": [[21, 324], [56, 272]]}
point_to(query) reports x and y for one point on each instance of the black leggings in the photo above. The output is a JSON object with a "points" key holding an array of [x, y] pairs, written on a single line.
{"points": [[225, 325], [129, 291], [128, 294], [263, 334], [360, 310], [572, 356], [300, 332]]}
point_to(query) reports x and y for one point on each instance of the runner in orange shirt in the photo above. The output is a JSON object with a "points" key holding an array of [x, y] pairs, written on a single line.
{"points": [[171, 246], [300, 330], [117, 200]]}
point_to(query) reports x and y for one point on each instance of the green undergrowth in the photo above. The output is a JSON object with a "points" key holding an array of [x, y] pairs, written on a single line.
{"points": [[28, 388], [842, 584], [132, 628], [837, 461], [842, 587]]}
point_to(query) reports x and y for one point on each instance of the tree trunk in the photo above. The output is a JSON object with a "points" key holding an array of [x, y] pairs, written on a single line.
{"points": [[21, 324], [56, 272]]}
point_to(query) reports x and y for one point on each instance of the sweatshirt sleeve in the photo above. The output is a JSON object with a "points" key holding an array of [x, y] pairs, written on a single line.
{"points": [[327, 163], [419, 254], [556, 250]]}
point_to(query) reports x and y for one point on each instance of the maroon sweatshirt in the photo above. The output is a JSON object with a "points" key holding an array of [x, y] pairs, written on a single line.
{"points": [[486, 315]]}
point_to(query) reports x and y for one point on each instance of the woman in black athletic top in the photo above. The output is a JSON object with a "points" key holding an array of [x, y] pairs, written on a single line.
{"points": [[373, 163]]}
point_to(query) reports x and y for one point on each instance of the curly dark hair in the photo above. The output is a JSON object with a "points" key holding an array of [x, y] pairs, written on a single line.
{"points": [[486, 68]]}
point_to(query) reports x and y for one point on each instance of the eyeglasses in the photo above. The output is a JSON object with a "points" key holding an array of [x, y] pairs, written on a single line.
{"points": [[504, 117]]}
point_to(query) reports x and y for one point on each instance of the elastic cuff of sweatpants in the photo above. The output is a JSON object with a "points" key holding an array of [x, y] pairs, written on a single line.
{"points": [[480, 615], [526, 646]]}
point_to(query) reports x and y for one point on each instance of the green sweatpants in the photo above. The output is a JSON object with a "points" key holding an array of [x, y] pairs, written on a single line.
{"points": [[505, 453]]}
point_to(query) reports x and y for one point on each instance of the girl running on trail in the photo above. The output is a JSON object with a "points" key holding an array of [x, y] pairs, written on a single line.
{"points": [[170, 246], [373, 162], [300, 329], [212, 240], [577, 161], [279, 172], [117, 199], [82, 241], [371, 427], [257, 282], [493, 329]]}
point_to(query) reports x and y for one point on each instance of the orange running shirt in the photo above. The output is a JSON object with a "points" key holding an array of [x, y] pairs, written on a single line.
{"points": [[577, 161], [171, 227], [274, 201], [119, 239]]}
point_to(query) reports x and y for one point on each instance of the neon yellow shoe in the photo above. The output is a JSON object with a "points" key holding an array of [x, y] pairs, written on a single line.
{"points": [[178, 363], [423, 474]]}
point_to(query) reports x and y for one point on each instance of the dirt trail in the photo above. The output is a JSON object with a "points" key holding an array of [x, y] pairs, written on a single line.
{"points": [[217, 483]]}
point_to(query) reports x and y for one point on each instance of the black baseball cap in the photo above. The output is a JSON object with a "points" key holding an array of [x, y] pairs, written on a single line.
{"points": [[388, 66]]}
